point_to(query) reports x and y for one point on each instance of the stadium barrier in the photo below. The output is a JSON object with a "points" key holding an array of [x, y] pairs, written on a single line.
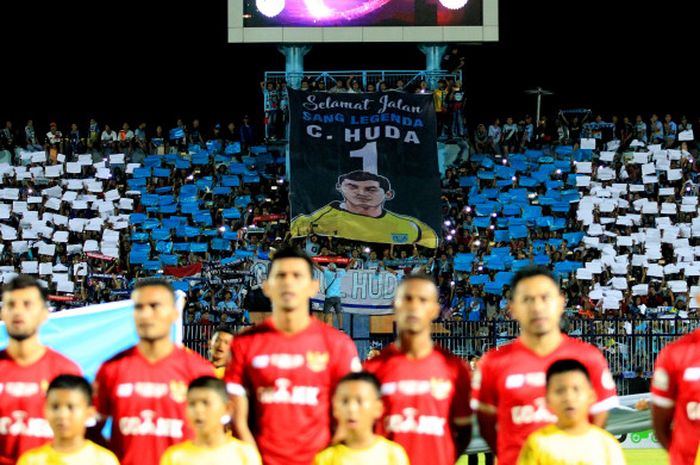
{"points": [[628, 345]]}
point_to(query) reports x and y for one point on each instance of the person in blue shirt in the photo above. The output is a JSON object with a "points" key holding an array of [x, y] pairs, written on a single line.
{"points": [[332, 281], [670, 131], [657, 130]]}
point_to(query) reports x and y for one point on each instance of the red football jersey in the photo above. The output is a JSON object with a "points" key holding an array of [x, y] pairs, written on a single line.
{"points": [[289, 380], [22, 396], [147, 401], [512, 379], [676, 385], [421, 400]]}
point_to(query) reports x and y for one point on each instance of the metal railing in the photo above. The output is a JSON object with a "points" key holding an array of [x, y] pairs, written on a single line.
{"points": [[411, 78], [628, 345]]}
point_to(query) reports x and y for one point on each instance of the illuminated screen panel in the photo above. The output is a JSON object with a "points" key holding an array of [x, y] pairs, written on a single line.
{"points": [[333, 21], [353, 13]]}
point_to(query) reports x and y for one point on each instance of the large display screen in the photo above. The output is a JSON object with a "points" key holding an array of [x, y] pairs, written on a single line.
{"points": [[363, 13]]}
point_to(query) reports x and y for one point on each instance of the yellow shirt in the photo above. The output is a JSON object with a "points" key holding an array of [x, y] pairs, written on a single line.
{"points": [[389, 228], [220, 372], [552, 446], [89, 454], [233, 452], [383, 452]]}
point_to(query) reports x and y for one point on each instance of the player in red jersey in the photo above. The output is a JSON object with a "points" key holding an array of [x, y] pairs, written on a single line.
{"points": [[26, 369], [285, 369], [509, 385], [144, 388], [675, 393], [425, 388]]}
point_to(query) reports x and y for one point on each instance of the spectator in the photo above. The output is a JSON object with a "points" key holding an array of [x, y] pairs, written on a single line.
{"points": [[108, 140], [31, 142]]}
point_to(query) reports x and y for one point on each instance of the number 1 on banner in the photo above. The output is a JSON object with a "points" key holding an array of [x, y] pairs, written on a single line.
{"points": [[368, 153]]}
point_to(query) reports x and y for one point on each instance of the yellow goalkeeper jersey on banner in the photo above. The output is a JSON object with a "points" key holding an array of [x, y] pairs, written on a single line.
{"points": [[552, 446], [89, 454], [388, 228]]}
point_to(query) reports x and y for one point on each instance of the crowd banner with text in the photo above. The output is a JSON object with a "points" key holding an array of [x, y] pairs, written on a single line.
{"points": [[364, 167]]}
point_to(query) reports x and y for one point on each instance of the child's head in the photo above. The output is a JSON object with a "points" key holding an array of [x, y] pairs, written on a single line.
{"points": [[69, 406], [357, 403], [207, 405], [570, 394]]}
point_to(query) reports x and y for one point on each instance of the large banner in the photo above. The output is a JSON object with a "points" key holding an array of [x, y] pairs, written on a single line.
{"points": [[93, 334], [364, 167], [362, 291]]}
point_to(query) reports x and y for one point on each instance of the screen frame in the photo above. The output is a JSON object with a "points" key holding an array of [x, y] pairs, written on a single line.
{"points": [[238, 33]]}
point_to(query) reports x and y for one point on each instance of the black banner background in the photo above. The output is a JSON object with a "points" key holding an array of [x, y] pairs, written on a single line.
{"points": [[326, 127]]}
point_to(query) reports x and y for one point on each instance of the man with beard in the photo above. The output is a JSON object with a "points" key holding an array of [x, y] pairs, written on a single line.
{"points": [[144, 388], [26, 369]]}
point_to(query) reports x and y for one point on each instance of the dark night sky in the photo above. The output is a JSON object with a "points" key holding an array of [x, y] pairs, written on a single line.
{"points": [[614, 56]]}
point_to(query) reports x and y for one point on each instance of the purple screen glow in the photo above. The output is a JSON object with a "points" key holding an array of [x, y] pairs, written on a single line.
{"points": [[329, 13]]}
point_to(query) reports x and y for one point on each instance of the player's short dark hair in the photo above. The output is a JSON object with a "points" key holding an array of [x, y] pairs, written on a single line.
{"points": [[24, 281], [359, 175], [290, 251], [364, 377], [155, 282], [565, 366], [72, 383], [228, 329], [209, 382], [418, 277], [530, 272]]}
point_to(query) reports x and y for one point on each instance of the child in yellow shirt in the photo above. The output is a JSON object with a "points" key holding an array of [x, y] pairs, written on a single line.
{"points": [[572, 440], [207, 412], [356, 407], [68, 408]]}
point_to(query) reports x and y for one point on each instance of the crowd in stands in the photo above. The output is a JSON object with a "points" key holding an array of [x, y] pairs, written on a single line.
{"points": [[610, 207]]}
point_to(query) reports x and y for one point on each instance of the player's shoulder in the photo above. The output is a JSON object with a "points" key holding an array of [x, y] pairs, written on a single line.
{"points": [[604, 435], [120, 357], [581, 349], [501, 353], [253, 332], [244, 449], [544, 433], [55, 357], [36, 455], [390, 445], [102, 455], [387, 354], [448, 355]]}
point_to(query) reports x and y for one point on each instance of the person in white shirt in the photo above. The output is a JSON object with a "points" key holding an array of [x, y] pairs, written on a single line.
{"points": [[109, 139]]}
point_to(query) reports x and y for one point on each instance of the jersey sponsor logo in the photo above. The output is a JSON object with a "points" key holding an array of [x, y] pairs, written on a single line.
{"points": [[661, 380], [19, 389], [281, 361], [18, 424], [536, 379], [528, 414], [692, 409], [317, 361], [691, 374], [409, 421], [284, 393], [607, 381], [147, 390], [147, 424], [438, 388], [178, 391]]}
